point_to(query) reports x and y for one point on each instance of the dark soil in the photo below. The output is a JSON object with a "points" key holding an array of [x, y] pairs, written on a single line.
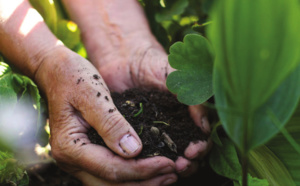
{"points": [[157, 106], [159, 119]]}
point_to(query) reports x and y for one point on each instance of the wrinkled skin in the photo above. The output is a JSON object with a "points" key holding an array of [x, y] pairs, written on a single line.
{"points": [[126, 55]]}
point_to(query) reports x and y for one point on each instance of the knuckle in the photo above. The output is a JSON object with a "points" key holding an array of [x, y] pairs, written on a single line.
{"points": [[111, 125]]}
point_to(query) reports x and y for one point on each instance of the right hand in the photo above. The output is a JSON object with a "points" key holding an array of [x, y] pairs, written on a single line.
{"points": [[79, 99]]}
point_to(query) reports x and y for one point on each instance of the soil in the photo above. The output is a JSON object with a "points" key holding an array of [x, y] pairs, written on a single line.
{"points": [[145, 110], [162, 123]]}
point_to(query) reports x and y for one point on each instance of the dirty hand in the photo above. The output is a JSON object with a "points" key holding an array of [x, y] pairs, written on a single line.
{"points": [[77, 99], [122, 48]]}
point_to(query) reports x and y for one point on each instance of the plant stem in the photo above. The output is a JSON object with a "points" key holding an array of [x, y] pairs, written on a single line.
{"points": [[162, 122], [140, 111], [244, 170]]}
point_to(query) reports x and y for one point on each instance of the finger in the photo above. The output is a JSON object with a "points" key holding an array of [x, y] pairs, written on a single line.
{"points": [[92, 99], [71, 146], [90, 180], [196, 150], [199, 115]]}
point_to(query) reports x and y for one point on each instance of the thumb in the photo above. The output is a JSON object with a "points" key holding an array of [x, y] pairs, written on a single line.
{"points": [[97, 108]]}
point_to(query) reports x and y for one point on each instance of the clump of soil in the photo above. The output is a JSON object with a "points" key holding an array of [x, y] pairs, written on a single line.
{"points": [[164, 125]]}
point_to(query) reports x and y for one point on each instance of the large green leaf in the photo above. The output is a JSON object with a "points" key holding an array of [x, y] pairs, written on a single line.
{"points": [[283, 149], [265, 164], [254, 73], [193, 59]]}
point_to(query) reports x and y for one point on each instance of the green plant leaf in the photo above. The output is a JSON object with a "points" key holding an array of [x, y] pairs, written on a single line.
{"points": [[284, 150], [254, 72], [20, 92], [265, 164], [172, 8], [193, 59], [224, 160], [68, 32]]}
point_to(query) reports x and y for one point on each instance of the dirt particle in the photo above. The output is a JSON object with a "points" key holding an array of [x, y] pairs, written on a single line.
{"points": [[112, 110], [83, 144], [79, 80], [75, 141], [78, 139], [98, 94], [106, 98], [95, 76]]}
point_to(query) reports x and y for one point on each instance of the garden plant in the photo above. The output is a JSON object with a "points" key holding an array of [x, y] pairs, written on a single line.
{"points": [[240, 59]]}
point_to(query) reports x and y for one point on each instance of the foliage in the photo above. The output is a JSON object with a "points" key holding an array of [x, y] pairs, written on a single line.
{"points": [[193, 74], [255, 85], [11, 172], [244, 90]]}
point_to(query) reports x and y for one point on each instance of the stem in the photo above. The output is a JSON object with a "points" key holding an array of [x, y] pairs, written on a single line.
{"points": [[140, 111], [244, 170], [162, 122]]}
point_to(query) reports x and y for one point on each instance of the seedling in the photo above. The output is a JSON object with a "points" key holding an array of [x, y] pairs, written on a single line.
{"points": [[140, 111], [162, 122]]}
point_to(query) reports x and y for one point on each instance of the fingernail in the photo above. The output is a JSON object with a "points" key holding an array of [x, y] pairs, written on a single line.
{"points": [[129, 144], [205, 125]]}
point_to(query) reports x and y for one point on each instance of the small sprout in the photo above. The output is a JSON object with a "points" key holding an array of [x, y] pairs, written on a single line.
{"points": [[155, 131], [162, 122], [140, 111], [75, 141], [169, 142], [141, 130], [106, 98]]}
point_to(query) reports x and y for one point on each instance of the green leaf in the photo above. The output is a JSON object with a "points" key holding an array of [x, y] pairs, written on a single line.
{"points": [[265, 164], [193, 59], [68, 32], [224, 160], [11, 171], [20, 92], [254, 72], [280, 146], [252, 181], [173, 7]]}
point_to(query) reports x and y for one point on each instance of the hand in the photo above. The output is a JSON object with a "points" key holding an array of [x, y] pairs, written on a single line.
{"points": [[150, 71], [122, 48], [77, 99]]}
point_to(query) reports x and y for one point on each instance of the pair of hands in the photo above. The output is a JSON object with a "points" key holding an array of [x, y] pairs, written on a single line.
{"points": [[71, 88], [78, 98]]}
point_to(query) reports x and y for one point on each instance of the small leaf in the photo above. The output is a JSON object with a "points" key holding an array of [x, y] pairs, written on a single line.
{"points": [[173, 7], [224, 160], [68, 32], [193, 59]]}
